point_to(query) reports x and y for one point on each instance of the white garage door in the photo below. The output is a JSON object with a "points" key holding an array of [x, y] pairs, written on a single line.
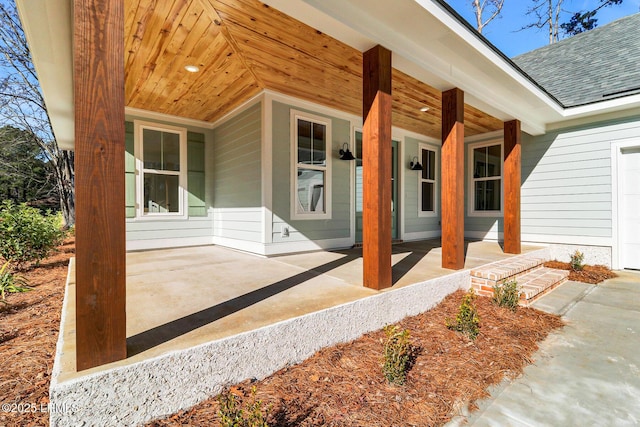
{"points": [[630, 198]]}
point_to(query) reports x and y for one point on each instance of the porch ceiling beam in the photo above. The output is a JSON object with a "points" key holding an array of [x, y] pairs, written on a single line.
{"points": [[376, 146], [100, 198], [512, 182], [452, 179]]}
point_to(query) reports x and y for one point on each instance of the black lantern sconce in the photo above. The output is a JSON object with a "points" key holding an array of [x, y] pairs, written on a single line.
{"points": [[415, 164], [345, 153]]}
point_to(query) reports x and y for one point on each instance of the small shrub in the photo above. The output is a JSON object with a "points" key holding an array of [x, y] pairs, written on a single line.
{"points": [[26, 235], [397, 355], [232, 414], [467, 320], [10, 282], [577, 261], [506, 295]]}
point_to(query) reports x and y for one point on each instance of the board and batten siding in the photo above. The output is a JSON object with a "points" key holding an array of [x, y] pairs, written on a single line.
{"points": [[196, 229], [339, 226], [236, 177], [566, 182], [417, 227]]}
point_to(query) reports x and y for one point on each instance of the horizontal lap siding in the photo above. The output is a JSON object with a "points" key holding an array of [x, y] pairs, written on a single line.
{"points": [[236, 184], [198, 224], [413, 222], [237, 161], [170, 229], [566, 175], [339, 226]]}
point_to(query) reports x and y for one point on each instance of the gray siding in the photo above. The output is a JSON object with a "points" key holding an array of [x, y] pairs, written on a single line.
{"points": [[198, 224], [566, 176], [413, 222], [479, 226], [170, 229], [237, 162], [339, 224], [235, 186]]}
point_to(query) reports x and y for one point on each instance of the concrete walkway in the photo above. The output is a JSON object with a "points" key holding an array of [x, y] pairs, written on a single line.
{"points": [[588, 373]]}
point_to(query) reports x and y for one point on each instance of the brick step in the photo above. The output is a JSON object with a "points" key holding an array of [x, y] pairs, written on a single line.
{"points": [[537, 283], [501, 271], [533, 284]]}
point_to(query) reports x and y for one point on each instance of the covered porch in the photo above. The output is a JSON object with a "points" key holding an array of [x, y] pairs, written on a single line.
{"points": [[244, 48], [181, 298]]}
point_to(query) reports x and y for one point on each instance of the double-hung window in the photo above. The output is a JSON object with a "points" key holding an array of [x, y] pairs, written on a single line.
{"points": [[486, 178], [311, 196], [427, 181], [161, 154]]}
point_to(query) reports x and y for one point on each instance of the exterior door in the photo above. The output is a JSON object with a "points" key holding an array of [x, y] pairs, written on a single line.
{"points": [[630, 205], [395, 201]]}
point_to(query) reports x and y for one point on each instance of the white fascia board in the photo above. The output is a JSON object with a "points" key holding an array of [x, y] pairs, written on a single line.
{"points": [[612, 105], [47, 27]]}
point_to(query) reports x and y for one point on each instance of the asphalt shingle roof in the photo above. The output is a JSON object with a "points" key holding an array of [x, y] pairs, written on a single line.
{"points": [[597, 65]]}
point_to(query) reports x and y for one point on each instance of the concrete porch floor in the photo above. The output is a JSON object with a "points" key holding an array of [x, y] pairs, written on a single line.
{"points": [[180, 298]]}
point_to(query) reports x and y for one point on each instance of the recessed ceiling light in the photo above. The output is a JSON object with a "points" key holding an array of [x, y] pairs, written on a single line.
{"points": [[192, 68], [424, 109]]}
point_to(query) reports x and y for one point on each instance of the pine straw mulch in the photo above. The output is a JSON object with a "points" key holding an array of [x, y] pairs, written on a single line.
{"points": [[593, 274], [29, 327], [344, 386]]}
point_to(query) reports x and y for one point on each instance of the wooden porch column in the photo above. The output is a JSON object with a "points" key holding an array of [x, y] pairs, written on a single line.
{"points": [[98, 42], [512, 166], [452, 179], [376, 146]]}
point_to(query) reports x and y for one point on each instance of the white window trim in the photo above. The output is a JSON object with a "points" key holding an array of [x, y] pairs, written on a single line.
{"points": [[139, 127], [436, 189], [295, 115], [471, 193]]}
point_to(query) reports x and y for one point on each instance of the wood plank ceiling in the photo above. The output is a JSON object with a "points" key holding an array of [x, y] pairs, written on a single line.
{"points": [[244, 46]]}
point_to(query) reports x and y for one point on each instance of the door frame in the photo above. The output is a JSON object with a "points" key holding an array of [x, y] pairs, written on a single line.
{"points": [[616, 208]]}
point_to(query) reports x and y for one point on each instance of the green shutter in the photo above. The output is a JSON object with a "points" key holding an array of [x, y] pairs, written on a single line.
{"points": [[195, 168], [130, 171]]}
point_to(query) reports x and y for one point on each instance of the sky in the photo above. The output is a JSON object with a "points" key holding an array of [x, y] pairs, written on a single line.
{"points": [[502, 31]]}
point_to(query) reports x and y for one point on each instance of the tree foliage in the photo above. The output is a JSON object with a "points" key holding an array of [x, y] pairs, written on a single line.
{"points": [[24, 175], [585, 20], [481, 8], [548, 14], [22, 106]]}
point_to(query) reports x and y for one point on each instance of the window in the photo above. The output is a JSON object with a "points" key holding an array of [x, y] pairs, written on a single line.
{"points": [[485, 163], [311, 177], [427, 182], [161, 161]]}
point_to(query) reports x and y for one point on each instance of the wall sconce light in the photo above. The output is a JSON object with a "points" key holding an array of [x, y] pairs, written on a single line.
{"points": [[415, 164], [345, 153]]}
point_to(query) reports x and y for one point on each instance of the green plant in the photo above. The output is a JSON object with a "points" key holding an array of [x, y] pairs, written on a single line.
{"points": [[397, 354], [577, 261], [232, 413], [506, 295], [467, 320], [27, 235], [10, 282]]}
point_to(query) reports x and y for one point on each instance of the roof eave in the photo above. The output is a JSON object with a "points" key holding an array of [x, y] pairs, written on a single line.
{"points": [[47, 25]]}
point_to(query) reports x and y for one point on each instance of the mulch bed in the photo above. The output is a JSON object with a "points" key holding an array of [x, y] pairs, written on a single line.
{"points": [[589, 274], [29, 328], [344, 386]]}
